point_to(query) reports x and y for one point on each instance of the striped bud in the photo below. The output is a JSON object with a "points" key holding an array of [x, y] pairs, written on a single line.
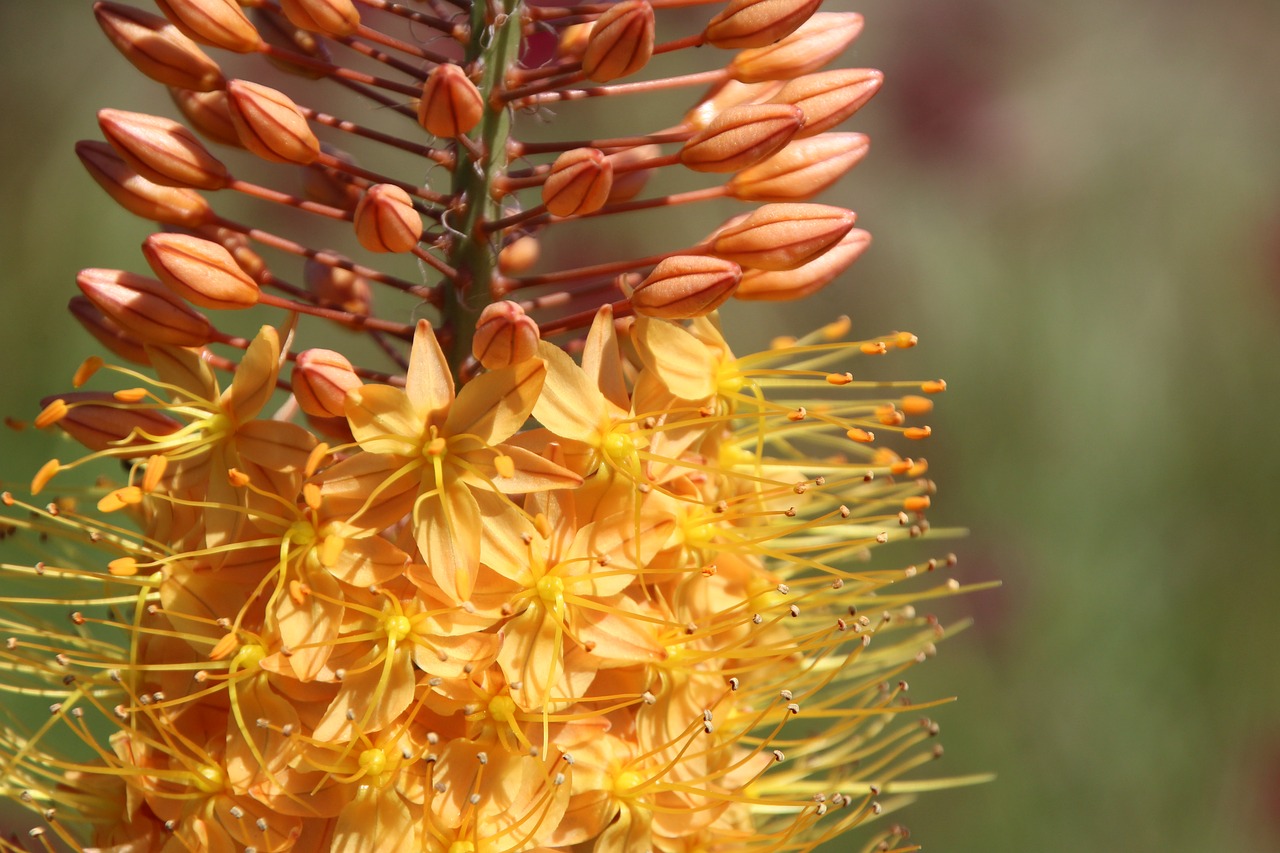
{"points": [[800, 171], [98, 421], [829, 97], [505, 335], [145, 308], [278, 31], [108, 332], [332, 17], [157, 48], [208, 114], [579, 182], [339, 288], [200, 271], [386, 221], [621, 42], [519, 255], [822, 38], [805, 280], [573, 40], [682, 287], [321, 380], [730, 93], [782, 236], [756, 23], [170, 205], [162, 151], [216, 22], [741, 136], [628, 180], [270, 124], [329, 185], [451, 104]]}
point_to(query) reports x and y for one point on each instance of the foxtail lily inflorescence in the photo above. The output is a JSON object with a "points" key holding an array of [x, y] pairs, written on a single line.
{"points": [[496, 545]]}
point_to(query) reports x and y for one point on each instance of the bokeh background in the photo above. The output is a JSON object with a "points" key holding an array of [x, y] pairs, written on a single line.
{"points": [[1076, 207]]}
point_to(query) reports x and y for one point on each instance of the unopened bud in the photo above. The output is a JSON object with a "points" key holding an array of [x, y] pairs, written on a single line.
{"points": [[321, 380], [741, 136], [685, 286], [756, 23], [628, 181], [332, 17], [830, 97], [336, 287], [108, 332], [621, 42], [505, 335], [519, 255], [216, 22], [800, 171], [136, 194], [386, 220], [573, 40], [162, 151], [270, 124], [782, 236], [330, 185], [451, 104], [821, 39], [730, 93], [98, 421], [278, 31], [578, 183], [157, 48], [145, 308], [200, 271], [805, 280], [208, 114]]}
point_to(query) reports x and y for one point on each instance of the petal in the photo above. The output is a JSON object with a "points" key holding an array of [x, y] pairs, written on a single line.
{"points": [[602, 360], [276, 445], [493, 406], [384, 420], [628, 833], [368, 561], [375, 693], [429, 383], [370, 490], [378, 820], [570, 406], [185, 369], [448, 533], [255, 378], [680, 361], [310, 627], [533, 473]]}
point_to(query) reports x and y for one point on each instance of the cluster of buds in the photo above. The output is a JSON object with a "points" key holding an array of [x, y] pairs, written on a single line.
{"points": [[552, 571]]}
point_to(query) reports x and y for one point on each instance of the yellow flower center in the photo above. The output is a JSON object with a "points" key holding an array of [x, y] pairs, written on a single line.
{"points": [[462, 847], [626, 782], [209, 779], [248, 657], [373, 762], [301, 533], [397, 626], [435, 447], [502, 709], [551, 590]]}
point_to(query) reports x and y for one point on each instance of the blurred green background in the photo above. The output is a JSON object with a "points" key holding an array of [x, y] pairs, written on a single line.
{"points": [[1076, 206]]}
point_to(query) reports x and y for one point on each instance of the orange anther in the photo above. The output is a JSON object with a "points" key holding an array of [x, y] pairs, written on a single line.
{"points": [[317, 455], [299, 591], [914, 405], [798, 415], [120, 498], [130, 395], [873, 348], [839, 378], [224, 647], [85, 371], [237, 478], [917, 433], [861, 435], [905, 340], [123, 567], [44, 475], [51, 414], [505, 465], [156, 466], [935, 386]]}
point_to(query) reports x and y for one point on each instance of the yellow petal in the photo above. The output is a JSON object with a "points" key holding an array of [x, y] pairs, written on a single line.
{"points": [[384, 420], [255, 378], [602, 360], [377, 820], [529, 473], [368, 561], [276, 445], [570, 406], [429, 383], [185, 369], [680, 361], [492, 407], [448, 534]]}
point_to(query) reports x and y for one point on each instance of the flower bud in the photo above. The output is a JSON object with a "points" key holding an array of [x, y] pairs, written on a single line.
{"points": [[578, 183], [573, 40], [329, 185], [829, 97], [682, 287], [822, 38], [505, 335], [800, 171], [782, 236], [741, 136], [730, 93], [519, 255], [108, 332], [157, 48], [270, 124], [621, 41], [200, 271], [628, 181], [208, 114], [451, 104], [216, 22], [278, 31], [98, 421], [331, 17], [240, 247], [386, 220], [756, 23], [339, 288], [321, 380], [170, 205], [162, 151], [806, 280], [145, 308]]}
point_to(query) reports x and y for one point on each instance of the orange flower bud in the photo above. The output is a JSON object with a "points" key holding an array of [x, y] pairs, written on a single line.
{"points": [[741, 136], [573, 40], [731, 93], [145, 308], [830, 97], [505, 335], [331, 17], [331, 186], [278, 31], [821, 39], [170, 205], [783, 236], [208, 113], [157, 48], [321, 380], [335, 287], [108, 332], [805, 280], [239, 247], [627, 180], [162, 151], [579, 182], [200, 271], [451, 104], [621, 41], [386, 221], [97, 421], [270, 124], [216, 22], [685, 286], [800, 171], [519, 255], [756, 23]]}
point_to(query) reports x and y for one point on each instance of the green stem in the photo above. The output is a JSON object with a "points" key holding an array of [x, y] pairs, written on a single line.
{"points": [[495, 47]]}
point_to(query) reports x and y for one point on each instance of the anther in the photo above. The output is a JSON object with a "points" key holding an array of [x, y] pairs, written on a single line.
{"points": [[786, 695], [794, 611], [777, 755], [474, 799], [757, 619], [733, 683], [236, 812], [783, 588], [793, 708]]}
